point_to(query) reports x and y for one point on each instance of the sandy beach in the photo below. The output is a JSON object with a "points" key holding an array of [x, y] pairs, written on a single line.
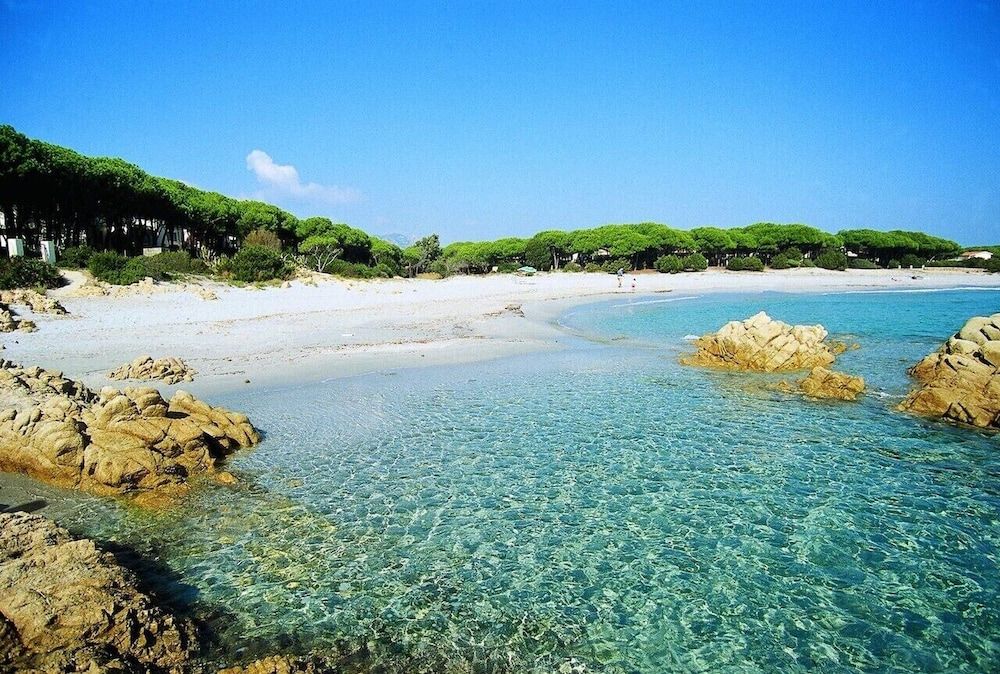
{"points": [[278, 336]]}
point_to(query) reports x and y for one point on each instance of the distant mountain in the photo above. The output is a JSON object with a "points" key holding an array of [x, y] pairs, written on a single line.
{"points": [[401, 240]]}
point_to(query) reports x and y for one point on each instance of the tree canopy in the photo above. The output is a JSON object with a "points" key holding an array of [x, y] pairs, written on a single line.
{"points": [[51, 192], [894, 244]]}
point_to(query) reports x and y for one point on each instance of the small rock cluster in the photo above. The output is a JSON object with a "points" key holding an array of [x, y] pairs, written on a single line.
{"points": [[170, 370], [92, 287], [34, 300], [824, 384], [24, 387], [66, 606], [762, 344], [9, 321], [114, 442], [961, 381]]}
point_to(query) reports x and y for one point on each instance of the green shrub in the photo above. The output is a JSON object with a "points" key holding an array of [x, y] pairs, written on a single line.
{"points": [[136, 270], [256, 263], [911, 260], [745, 264], [893, 264], [992, 265], [384, 270], [862, 263], [968, 263], [806, 262], [346, 269], [106, 265], [832, 259], [22, 272], [262, 238], [341, 268], [439, 266], [116, 269], [572, 267], [695, 262], [612, 266], [593, 267], [669, 264], [508, 267], [781, 262], [76, 257], [792, 254], [177, 262]]}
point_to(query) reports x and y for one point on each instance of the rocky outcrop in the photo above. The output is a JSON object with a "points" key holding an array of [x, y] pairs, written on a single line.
{"points": [[9, 321], [66, 606], [168, 370], [25, 387], [125, 442], [822, 383], [34, 300], [762, 344], [961, 381], [92, 287]]}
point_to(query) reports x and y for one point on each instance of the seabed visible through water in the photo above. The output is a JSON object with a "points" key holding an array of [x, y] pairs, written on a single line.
{"points": [[603, 506]]}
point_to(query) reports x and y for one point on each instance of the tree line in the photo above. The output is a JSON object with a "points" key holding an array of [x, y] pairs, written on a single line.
{"points": [[640, 245], [51, 192]]}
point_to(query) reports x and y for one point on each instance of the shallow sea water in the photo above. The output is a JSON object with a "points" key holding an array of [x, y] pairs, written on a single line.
{"points": [[605, 507]]}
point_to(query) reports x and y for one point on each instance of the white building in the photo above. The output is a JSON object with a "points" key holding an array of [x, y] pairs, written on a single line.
{"points": [[980, 254]]}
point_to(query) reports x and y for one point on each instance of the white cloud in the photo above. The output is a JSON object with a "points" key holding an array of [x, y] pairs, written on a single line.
{"points": [[284, 179]]}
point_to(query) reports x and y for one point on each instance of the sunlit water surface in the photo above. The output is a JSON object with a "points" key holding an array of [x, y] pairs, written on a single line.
{"points": [[604, 505]]}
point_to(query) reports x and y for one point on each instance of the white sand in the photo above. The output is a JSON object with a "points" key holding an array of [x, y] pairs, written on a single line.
{"points": [[277, 336]]}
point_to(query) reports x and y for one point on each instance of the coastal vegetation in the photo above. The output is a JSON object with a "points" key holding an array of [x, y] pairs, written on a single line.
{"points": [[20, 272], [103, 213]]}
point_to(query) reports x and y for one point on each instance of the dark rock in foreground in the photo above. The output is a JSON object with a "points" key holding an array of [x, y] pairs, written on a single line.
{"points": [[66, 606]]}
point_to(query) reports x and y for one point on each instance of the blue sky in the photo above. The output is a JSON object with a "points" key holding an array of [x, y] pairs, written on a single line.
{"points": [[478, 120]]}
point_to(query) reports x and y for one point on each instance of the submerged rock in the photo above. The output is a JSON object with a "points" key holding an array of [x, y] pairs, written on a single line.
{"points": [[170, 370], [284, 664], [127, 442], [822, 383], [66, 606], [961, 380], [762, 344]]}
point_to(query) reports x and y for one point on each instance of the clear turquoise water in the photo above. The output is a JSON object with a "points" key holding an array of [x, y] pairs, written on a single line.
{"points": [[604, 505]]}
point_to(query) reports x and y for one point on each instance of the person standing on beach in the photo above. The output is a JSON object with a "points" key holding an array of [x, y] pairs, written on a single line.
{"points": [[621, 273], [633, 284]]}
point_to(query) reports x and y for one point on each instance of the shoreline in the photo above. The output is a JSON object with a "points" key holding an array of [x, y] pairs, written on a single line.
{"points": [[541, 321], [278, 337]]}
